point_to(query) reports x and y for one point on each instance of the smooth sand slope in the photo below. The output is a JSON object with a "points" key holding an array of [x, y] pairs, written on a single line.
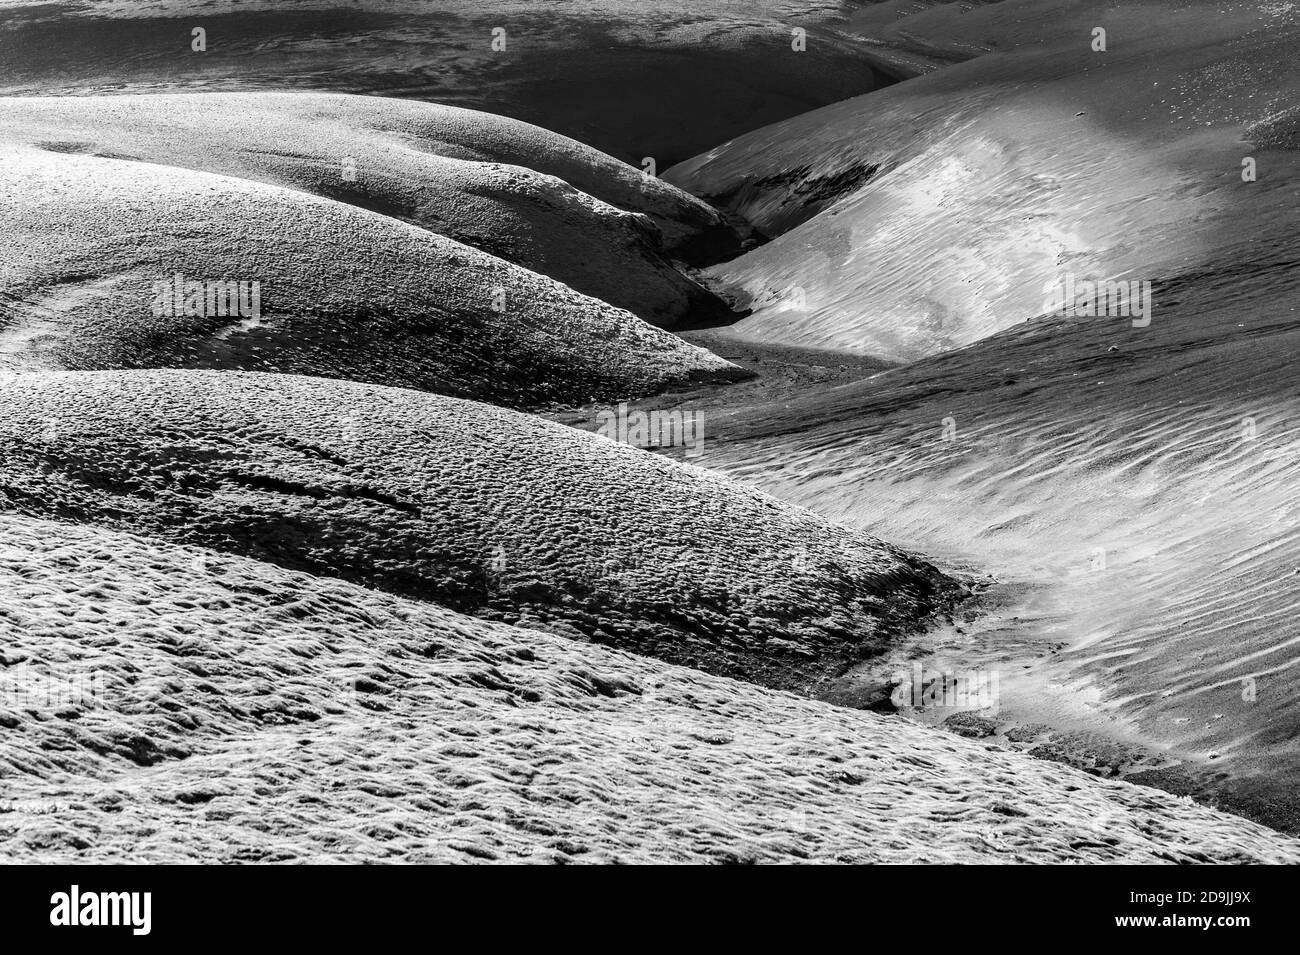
{"points": [[929, 215], [1133, 489], [663, 80], [342, 292], [466, 175], [488, 511], [245, 713]]}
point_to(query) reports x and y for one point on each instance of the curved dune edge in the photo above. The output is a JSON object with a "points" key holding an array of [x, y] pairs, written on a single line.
{"points": [[488, 511], [459, 173], [99, 246], [237, 712]]}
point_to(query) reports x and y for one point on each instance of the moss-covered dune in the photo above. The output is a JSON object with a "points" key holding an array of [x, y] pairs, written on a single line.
{"points": [[93, 251], [505, 187], [488, 511]]}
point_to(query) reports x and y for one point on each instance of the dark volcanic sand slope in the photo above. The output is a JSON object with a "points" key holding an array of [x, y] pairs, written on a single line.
{"points": [[634, 79], [343, 292], [237, 712], [454, 172], [488, 511]]}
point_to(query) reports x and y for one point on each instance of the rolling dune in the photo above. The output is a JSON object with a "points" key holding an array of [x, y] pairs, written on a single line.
{"points": [[484, 510], [459, 173]]}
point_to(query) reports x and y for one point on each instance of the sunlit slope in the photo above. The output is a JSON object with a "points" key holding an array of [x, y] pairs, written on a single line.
{"points": [[1136, 487], [929, 215], [179, 705], [489, 511], [108, 263]]}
